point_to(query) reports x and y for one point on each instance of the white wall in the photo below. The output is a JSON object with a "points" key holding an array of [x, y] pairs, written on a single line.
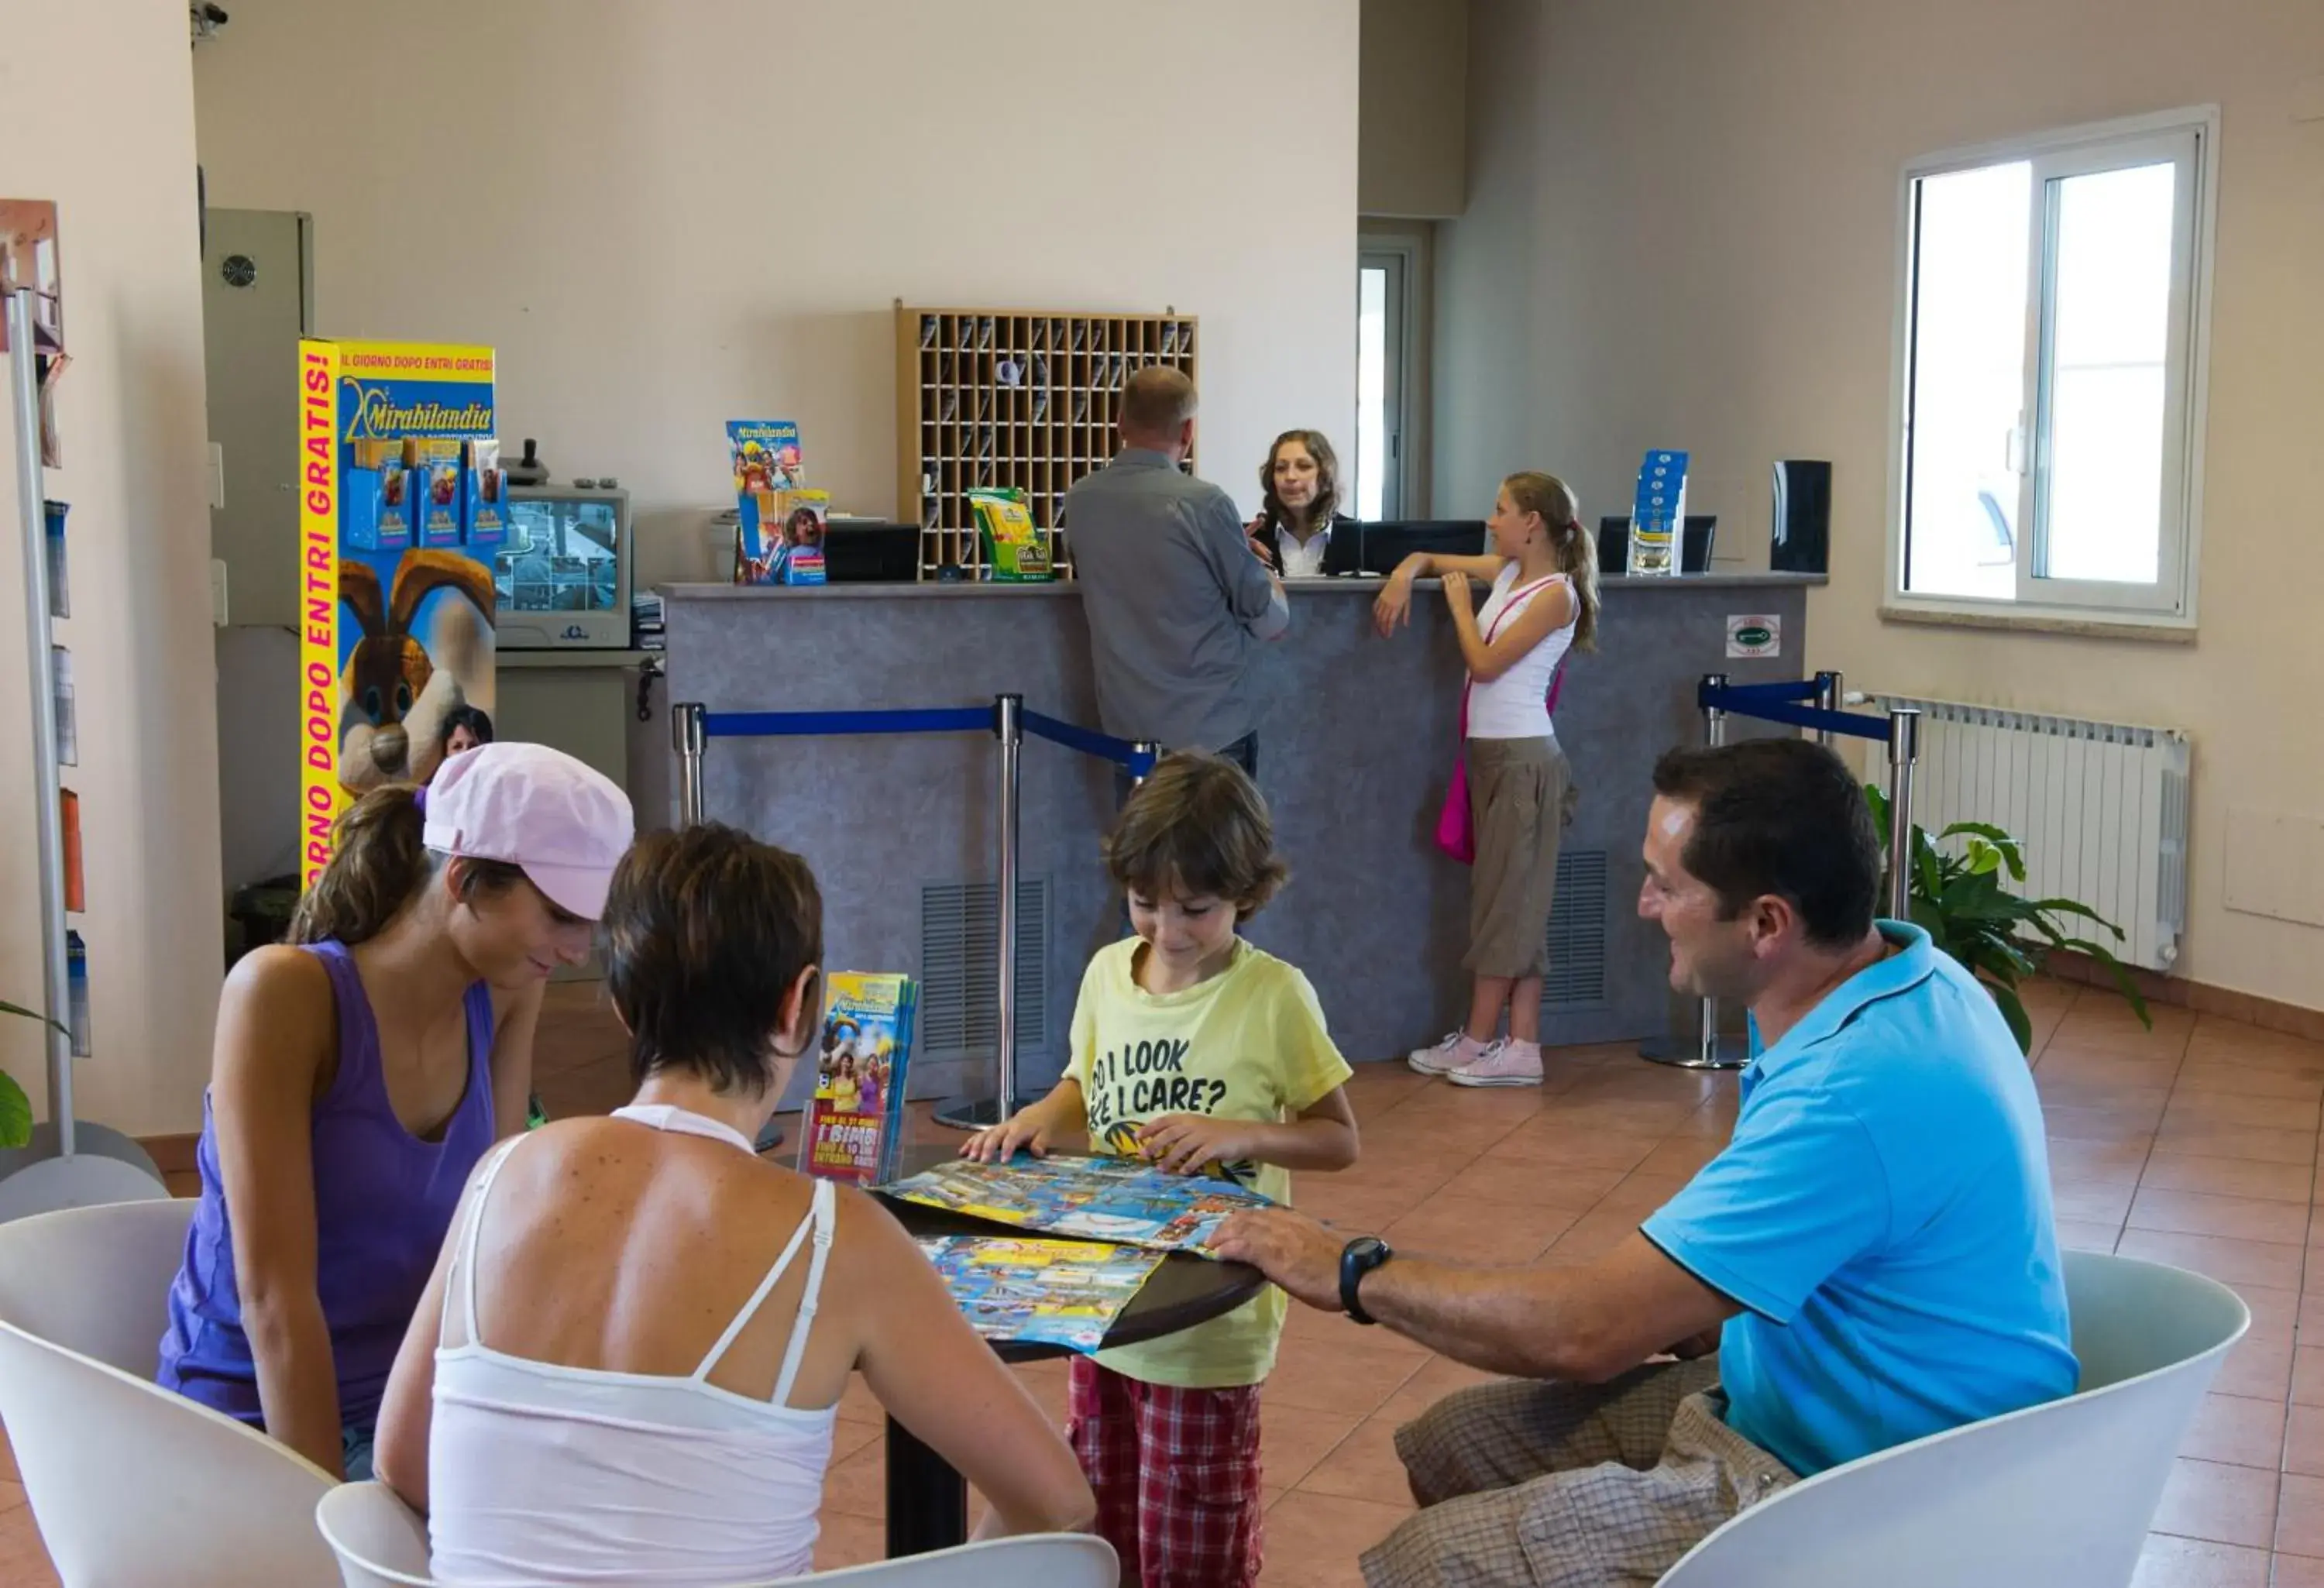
{"points": [[96, 112], [667, 215], [1681, 231], [1412, 159]]}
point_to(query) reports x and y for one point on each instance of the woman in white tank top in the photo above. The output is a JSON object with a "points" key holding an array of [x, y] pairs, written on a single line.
{"points": [[1542, 606], [627, 1365]]}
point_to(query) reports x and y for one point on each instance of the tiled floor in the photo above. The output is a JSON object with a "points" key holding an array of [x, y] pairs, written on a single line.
{"points": [[2195, 1143]]}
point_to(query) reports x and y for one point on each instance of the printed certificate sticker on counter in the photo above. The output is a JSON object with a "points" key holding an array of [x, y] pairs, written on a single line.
{"points": [[1754, 634]]}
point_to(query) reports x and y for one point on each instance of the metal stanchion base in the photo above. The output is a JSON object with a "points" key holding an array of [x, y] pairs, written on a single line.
{"points": [[1732, 1053], [970, 1113]]}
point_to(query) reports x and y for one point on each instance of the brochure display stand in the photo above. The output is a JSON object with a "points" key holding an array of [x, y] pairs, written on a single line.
{"points": [[70, 1162]]}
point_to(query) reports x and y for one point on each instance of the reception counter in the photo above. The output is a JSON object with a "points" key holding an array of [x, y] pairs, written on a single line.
{"points": [[1355, 749]]}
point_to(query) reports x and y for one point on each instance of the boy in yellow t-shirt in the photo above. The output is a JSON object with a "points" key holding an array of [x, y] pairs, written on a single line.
{"points": [[1201, 1053]]}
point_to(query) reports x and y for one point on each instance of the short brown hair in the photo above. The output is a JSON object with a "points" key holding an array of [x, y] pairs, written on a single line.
{"points": [[706, 929], [1782, 817], [1157, 401], [1198, 826]]}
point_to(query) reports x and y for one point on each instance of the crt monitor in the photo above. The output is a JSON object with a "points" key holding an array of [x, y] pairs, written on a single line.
{"points": [[563, 574], [1694, 542], [1389, 543]]}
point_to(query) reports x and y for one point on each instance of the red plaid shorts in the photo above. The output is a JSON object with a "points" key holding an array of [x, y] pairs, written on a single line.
{"points": [[1176, 1476]]}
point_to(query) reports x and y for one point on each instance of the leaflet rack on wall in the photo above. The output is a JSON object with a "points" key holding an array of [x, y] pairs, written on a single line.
{"points": [[1022, 397], [70, 1162]]}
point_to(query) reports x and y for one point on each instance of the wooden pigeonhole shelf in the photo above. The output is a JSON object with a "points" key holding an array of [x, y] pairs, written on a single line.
{"points": [[1022, 397]]}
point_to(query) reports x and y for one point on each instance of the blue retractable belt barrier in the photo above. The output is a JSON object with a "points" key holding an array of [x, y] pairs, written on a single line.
{"points": [[1736, 702], [1790, 689], [1088, 742], [762, 724]]}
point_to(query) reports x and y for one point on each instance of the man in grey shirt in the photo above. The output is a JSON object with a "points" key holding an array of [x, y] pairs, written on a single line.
{"points": [[1177, 602]]}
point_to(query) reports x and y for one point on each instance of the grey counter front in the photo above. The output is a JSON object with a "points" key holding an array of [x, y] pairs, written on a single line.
{"points": [[1356, 747]]}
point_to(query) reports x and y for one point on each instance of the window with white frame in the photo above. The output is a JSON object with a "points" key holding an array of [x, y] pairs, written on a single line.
{"points": [[2052, 333]]}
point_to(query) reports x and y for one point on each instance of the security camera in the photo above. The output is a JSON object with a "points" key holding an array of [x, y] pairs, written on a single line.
{"points": [[206, 19]]}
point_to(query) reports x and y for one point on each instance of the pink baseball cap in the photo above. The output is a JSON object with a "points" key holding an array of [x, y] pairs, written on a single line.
{"points": [[568, 825]]}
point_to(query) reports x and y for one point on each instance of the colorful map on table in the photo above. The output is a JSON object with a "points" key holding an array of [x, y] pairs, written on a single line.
{"points": [[1039, 1292], [1117, 1199]]}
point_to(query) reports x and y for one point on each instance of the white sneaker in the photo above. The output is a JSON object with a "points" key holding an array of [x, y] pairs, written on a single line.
{"points": [[1458, 1050], [1504, 1064]]}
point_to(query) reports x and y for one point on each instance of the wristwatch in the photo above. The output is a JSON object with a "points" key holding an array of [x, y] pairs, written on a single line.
{"points": [[1359, 1258]]}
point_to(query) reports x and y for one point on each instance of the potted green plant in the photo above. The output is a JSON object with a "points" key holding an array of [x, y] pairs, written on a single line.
{"points": [[15, 1108], [1958, 898]]}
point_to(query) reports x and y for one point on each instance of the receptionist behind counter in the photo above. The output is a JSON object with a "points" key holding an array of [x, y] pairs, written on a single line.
{"points": [[1300, 532]]}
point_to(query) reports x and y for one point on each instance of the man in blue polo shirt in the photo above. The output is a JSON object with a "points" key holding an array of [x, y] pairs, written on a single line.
{"points": [[1872, 1257]]}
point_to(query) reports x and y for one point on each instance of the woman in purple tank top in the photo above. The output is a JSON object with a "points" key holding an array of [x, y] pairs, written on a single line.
{"points": [[362, 1069]]}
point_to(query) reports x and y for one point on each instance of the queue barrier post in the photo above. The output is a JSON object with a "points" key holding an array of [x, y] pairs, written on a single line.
{"points": [[1827, 698], [1903, 753], [968, 1114], [1708, 1051], [688, 739]]}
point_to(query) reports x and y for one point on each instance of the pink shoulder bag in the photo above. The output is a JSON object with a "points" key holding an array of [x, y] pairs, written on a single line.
{"points": [[1456, 824]]}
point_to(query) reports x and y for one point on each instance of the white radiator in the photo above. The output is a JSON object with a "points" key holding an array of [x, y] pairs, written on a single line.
{"points": [[2100, 808]]}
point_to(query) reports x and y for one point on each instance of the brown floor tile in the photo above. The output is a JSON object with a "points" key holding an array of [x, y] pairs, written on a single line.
{"points": [[2260, 1262], [2224, 1504], [2113, 1163], [2304, 1441], [2274, 1313], [1533, 1183], [1338, 1376], [2231, 1107], [2300, 1517], [2198, 1212], [2296, 1571], [2066, 1064], [12, 1495], [2083, 1235], [1307, 1326], [2251, 1141], [849, 1541], [1547, 1139], [2237, 1431], [2091, 1202], [1681, 1156], [1292, 1440], [2100, 1124], [1313, 1540], [2227, 1177], [1365, 1466], [1597, 1234], [1454, 1232], [1439, 1377], [2260, 1367], [857, 1487], [1713, 1121], [2192, 1562], [2307, 1375], [2138, 1107], [1349, 1207], [2250, 1080]]}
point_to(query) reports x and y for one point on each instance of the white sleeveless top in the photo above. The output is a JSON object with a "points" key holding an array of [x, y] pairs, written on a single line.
{"points": [[544, 1474], [1515, 706]]}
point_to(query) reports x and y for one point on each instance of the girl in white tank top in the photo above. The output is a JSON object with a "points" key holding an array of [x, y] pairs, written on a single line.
{"points": [[1542, 606], [627, 1365]]}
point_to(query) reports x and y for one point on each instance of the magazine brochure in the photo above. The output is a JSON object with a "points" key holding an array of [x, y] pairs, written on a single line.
{"points": [[764, 456], [1117, 1199], [1039, 1292], [857, 1114]]}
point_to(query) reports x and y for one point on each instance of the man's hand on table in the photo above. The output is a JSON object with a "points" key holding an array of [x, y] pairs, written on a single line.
{"points": [[1290, 1248]]}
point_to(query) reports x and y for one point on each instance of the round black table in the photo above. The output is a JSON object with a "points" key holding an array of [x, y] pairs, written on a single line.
{"points": [[928, 1500]]}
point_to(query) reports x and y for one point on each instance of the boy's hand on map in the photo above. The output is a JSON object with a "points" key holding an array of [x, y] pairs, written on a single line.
{"points": [[1002, 1143], [1185, 1143]]}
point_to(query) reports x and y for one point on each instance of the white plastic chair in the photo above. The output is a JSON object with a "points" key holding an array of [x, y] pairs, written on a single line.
{"points": [[2058, 1494], [381, 1544], [132, 1485]]}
